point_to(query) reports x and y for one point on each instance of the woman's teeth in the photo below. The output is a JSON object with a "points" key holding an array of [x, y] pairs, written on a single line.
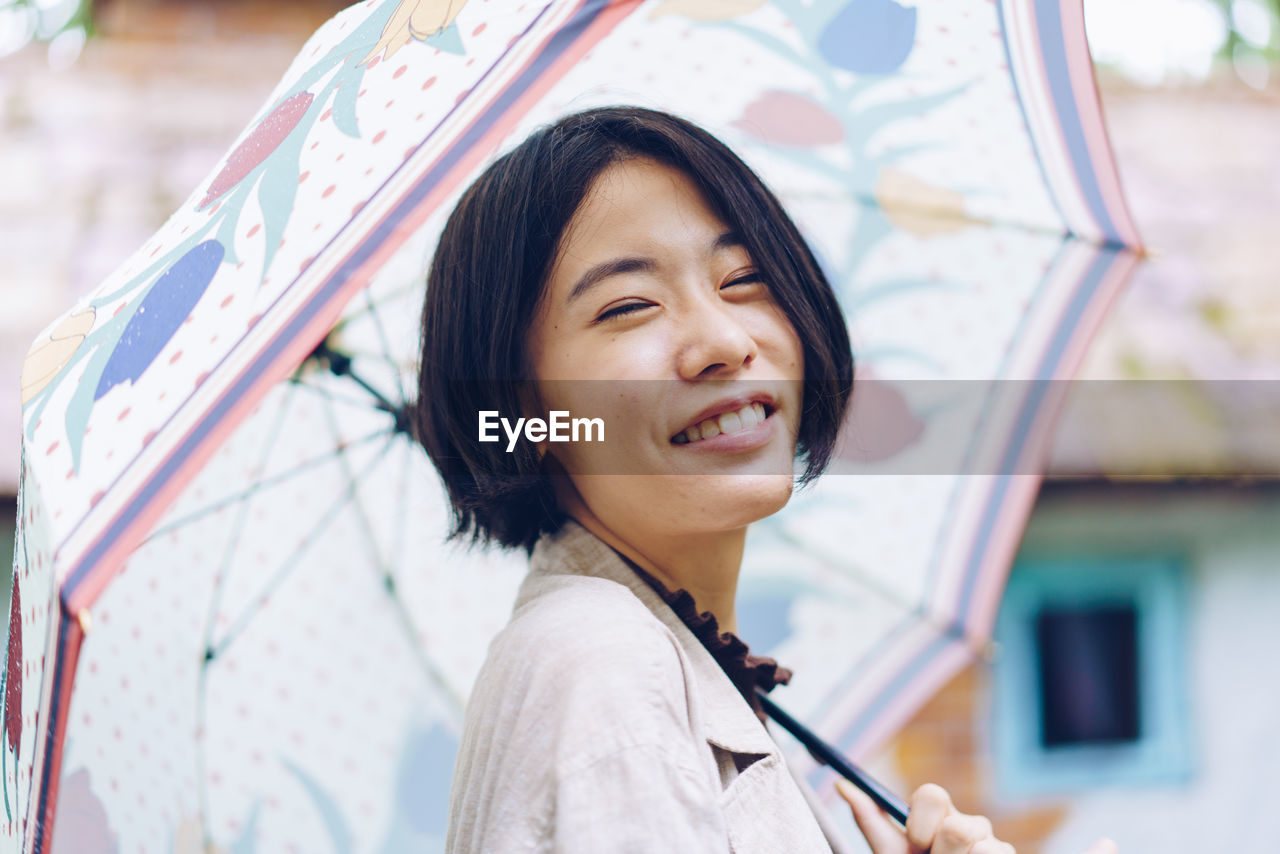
{"points": [[730, 422]]}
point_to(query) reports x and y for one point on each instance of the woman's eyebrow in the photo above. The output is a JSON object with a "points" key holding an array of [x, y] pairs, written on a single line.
{"points": [[605, 269], [619, 266], [728, 240]]}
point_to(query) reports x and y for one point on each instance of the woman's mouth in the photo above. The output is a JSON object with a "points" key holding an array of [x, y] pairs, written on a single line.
{"points": [[726, 423]]}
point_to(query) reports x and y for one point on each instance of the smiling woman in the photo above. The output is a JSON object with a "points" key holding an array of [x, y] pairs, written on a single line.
{"points": [[624, 265], [656, 317], [546, 286]]}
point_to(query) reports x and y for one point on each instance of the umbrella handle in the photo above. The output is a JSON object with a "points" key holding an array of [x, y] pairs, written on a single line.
{"points": [[828, 755]]}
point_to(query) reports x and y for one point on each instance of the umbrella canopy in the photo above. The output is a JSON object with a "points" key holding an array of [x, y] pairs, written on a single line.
{"points": [[233, 624]]}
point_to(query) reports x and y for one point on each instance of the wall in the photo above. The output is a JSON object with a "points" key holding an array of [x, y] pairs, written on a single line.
{"points": [[1231, 544]]}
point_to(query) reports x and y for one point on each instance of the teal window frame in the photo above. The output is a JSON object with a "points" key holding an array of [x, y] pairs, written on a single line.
{"points": [[1157, 588]]}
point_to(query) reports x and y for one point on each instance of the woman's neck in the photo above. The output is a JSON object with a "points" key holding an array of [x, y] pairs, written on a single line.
{"points": [[704, 564]]}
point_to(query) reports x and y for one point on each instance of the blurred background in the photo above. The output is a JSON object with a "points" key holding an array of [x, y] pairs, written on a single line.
{"points": [[1127, 691]]}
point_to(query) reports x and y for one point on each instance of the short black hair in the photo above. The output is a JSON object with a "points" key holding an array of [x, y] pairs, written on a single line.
{"points": [[489, 273]]}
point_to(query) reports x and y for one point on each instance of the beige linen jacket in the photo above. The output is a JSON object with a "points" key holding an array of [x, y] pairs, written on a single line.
{"points": [[599, 723]]}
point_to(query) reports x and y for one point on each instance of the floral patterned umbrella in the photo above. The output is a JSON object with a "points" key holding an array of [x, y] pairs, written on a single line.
{"points": [[233, 625]]}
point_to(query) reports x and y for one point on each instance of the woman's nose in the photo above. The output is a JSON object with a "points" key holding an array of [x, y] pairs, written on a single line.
{"points": [[714, 341]]}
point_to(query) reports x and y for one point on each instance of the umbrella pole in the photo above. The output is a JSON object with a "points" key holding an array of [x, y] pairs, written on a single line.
{"points": [[828, 755], [339, 365]]}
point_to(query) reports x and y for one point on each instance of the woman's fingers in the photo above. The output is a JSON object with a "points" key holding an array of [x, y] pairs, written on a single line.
{"points": [[930, 805], [882, 834], [959, 833], [992, 846], [934, 825]]}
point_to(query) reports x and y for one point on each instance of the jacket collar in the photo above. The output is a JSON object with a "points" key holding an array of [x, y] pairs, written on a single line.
{"points": [[573, 550]]}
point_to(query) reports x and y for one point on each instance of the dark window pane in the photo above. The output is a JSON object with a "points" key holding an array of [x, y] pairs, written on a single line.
{"points": [[1088, 675]]}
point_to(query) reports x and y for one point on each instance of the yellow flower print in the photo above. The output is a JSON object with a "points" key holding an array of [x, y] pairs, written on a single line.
{"points": [[51, 352], [919, 207], [414, 19]]}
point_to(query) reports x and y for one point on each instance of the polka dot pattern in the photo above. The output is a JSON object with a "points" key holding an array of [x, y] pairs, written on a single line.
{"points": [[256, 666]]}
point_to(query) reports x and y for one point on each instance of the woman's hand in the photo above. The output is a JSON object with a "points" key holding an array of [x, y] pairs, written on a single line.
{"points": [[934, 825]]}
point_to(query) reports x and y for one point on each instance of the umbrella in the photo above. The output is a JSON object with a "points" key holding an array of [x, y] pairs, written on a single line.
{"points": [[233, 626]]}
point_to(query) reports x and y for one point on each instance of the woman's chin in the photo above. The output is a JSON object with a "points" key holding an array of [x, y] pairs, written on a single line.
{"points": [[682, 504], [724, 502]]}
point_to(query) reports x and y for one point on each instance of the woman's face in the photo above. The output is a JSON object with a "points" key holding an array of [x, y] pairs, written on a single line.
{"points": [[655, 321]]}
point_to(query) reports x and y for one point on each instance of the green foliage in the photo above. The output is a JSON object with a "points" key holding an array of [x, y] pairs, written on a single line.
{"points": [[65, 25], [1239, 35]]}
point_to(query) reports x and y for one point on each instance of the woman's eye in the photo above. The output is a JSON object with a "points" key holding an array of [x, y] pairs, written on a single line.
{"points": [[619, 310], [751, 279]]}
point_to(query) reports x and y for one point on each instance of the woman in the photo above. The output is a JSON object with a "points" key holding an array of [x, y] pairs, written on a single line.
{"points": [[624, 265]]}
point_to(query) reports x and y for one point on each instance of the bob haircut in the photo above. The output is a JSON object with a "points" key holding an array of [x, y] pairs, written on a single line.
{"points": [[490, 271]]}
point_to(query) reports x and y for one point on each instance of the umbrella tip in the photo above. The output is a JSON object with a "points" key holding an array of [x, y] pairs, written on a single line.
{"points": [[85, 619]]}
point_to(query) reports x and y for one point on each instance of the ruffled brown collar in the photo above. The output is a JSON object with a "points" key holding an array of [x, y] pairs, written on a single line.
{"points": [[745, 671]]}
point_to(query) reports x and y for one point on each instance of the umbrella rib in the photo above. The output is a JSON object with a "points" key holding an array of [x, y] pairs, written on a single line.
{"points": [[332, 396], [860, 575], [984, 649], [215, 602], [406, 622], [290, 562], [387, 298], [261, 485], [339, 364], [384, 341], [402, 521], [360, 354], [868, 580], [213, 652]]}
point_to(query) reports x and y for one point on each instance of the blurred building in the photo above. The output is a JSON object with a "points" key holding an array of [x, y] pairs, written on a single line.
{"points": [[97, 155], [1128, 693]]}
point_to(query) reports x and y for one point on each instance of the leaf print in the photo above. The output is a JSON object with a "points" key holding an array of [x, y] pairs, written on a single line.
{"points": [[881, 426], [869, 37], [13, 675], [785, 118], [160, 314], [259, 144]]}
